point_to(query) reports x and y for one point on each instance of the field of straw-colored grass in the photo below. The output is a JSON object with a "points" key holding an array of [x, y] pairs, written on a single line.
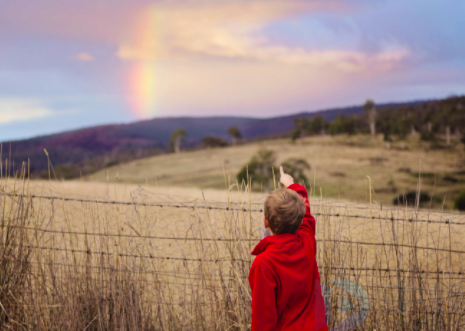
{"points": [[83, 255], [339, 166]]}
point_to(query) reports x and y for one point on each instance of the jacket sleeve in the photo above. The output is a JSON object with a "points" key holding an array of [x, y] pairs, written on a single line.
{"points": [[307, 229], [264, 285]]}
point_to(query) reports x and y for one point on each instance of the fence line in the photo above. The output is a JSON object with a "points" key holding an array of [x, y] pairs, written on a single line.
{"points": [[145, 281], [161, 205], [219, 239], [97, 253], [63, 261], [194, 302], [162, 273], [158, 282]]}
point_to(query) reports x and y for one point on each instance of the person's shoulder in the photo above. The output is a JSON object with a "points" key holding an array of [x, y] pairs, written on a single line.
{"points": [[263, 259], [264, 264]]}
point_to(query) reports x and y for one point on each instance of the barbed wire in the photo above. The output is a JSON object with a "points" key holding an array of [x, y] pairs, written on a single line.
{"points": [[206, 207], [219, 239], [205, 276], [128, 203], [394, 270], [144, 281], [208, 285], [210, 279], [383, 310], [99, 253]]}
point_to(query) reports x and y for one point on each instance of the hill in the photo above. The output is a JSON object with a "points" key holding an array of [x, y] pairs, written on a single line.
{"points": [[87, 150], [339, 167]]}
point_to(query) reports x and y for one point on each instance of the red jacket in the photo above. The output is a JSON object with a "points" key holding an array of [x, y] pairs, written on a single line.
{"points": [[284, 278]]}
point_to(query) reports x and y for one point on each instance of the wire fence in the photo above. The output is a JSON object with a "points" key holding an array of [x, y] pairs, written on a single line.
{"points": [[191, 258], [232, 208]]}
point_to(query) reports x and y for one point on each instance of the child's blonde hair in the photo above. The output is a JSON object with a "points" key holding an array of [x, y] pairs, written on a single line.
{"points": [[284, 210]]}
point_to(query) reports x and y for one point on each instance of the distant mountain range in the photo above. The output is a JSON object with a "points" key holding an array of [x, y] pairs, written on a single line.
{"points": [[90, 149]]}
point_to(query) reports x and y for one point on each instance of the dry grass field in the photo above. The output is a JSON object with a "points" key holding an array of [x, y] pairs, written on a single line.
{"points": [[339, 167], [164, 243], [117, 255]]}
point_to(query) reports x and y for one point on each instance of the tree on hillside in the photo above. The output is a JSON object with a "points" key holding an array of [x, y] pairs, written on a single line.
{"points": [[235, 134], [440, 121], [353, 124], [461, 120], [295, 134], [345, 124], [301, 127], [386, 125], [297, 168], [337, 125], [370, 114], [318, 125], [176, 138], [212, 142], [404, 126], [449, 117], [309, 126], [392, 122], [259, 169]]}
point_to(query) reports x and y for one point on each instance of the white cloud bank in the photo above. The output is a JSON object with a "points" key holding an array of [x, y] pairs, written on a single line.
{"points": [[234, 30], [14, 110]]}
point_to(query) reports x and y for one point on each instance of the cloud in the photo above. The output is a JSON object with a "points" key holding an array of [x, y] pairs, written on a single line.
{"points": [[233, 30], [13, 110], [226, 29], [195, 29], [86, 57], [238, 56]]}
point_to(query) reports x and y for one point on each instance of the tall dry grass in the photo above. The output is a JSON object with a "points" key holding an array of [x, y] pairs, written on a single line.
{"points": [[158, 262]]}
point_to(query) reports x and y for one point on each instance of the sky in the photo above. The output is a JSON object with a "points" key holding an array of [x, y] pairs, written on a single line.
{"points": [[78, 63]]}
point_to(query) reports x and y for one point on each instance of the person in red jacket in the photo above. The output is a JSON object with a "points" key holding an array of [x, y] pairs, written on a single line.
{"points": [[284, 278]]}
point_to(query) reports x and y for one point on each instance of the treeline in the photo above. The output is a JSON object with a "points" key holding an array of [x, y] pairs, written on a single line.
{"points": [[208, 141], [429, 119]]}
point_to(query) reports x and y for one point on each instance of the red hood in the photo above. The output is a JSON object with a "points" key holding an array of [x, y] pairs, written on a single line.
{"points": [[279, 239]]}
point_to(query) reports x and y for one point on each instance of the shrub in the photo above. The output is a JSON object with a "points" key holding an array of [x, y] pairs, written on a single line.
{"points": [[410, 198], [428, 136], [295, 134], [111, 163], [297, 168], [460, 201], [65, 172], [259, 168], [212, 142]]}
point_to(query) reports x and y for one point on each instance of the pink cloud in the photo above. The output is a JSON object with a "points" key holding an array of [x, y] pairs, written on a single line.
{"points": [[86, 57]]}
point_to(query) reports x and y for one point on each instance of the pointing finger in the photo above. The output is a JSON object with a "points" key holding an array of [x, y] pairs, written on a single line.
{"points": [[281, 170]]}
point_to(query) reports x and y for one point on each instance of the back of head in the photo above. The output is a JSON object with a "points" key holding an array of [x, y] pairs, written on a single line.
{"points": [[284, 210]]}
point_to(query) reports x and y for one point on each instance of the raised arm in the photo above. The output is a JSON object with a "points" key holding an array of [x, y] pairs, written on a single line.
{"points": [[308, 223]]}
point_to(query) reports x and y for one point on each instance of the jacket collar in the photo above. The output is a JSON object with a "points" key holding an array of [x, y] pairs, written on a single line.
{"points": [[277, 239]]}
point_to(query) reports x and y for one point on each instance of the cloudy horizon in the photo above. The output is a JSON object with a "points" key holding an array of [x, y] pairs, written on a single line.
{"points": [[67, 65]]}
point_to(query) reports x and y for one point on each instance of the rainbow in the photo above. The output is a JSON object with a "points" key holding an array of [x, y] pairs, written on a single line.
{"points": [[141, 80], [142, 88]]}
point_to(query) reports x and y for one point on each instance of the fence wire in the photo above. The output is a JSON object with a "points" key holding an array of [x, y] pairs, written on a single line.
{"points": [[196, 254]]}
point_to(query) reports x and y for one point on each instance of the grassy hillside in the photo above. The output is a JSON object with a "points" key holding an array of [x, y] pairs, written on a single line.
{"points": [[91, 149], [171, 259], [339, 166]]}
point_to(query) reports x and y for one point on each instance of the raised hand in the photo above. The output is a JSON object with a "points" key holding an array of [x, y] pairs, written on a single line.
{"points": [[285, 179]]}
